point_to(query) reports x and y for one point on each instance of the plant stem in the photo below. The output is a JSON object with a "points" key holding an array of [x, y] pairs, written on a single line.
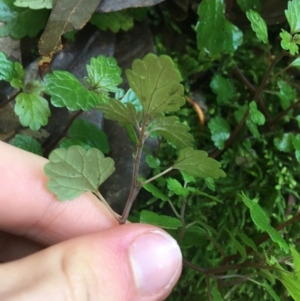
{"points": [[5, 102], [157, 176], [103, 200]]}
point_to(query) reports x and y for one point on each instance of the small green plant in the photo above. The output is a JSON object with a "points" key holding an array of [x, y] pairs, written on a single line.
{"points": [[238, 235]]}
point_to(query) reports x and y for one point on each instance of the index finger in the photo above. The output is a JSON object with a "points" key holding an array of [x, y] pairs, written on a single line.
{"points": [[27, 208]]}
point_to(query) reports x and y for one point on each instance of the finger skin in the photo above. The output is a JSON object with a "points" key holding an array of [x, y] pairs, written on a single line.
{"points": [[28, 209], [88, 268]]}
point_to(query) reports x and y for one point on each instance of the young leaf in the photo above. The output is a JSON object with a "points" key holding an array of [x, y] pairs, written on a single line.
{"points": [[19, 22], [296, 262], [241, 249], [176, 187], [287, 42], [209, 36], [261, 220], [115, 21], [270, 290], [255, 115], [163, 221], [34, 4], [286, 94], [82, 131], [156, 83], [247, 240], [172, 130], [7, 68], [153, 190], [284, 142], [197, 164], [130, 97], [125, 114], [76, 170], [216, 294], [295, 62], [33, 110], [296, 145], [104, 74], [258, 25], [19, 78], [293, 15], [152, 161], [66, 90], [223, 88], [28, 143], [220, 131]]}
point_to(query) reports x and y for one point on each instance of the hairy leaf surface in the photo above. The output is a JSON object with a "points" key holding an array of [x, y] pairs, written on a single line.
{"points": [[34, 4], [28, 143], [104, 74], [19, 22], [76, 170], [125, 114], [258, 25], [66, 91], [33, 110], [88, 135], [197, 164], [114, 21], [172, 130], [293, 15], [156, 83]]}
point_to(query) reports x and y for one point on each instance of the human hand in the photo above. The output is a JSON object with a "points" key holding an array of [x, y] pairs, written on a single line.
{"points": [[74, 250]]}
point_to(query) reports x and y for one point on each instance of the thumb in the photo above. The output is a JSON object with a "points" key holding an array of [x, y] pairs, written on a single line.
{"points": [[129, 262]]}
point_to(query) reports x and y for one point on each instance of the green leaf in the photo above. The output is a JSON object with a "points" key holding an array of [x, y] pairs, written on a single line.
{"points": [[216, 294], [293, 15], [104, 75], [197, 164], [220, 131], [76, 170], [287, 42], [270, 290], [215, 34], [255, 115], [163, 221], [284, 142], [295, 63], [296, 145], [125, 114], [114, 21], [241, 249], [28, 143], [18, 80], [172, 130], [33, 110], [194, 236], [156, 83], [176, 187], [152, 161], [223, 88], [19, 22], [34, 4], [239, 113], [258, 25], [286, 94], [296, 261], [130, 97], [66, 91], [153, 190], [7, 67], [247, 240], [88, 134], [291, 283], [261, 220], [245, 5]]}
